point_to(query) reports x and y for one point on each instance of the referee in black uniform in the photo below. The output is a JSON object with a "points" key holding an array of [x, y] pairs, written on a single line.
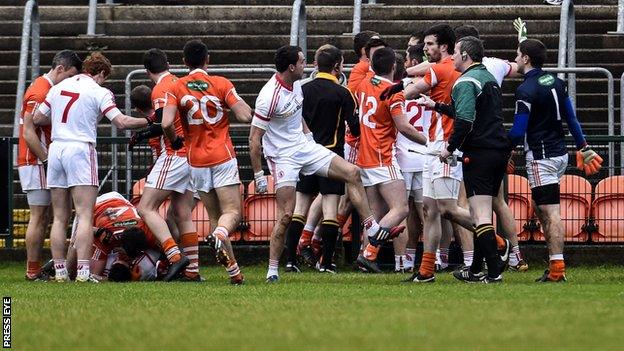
{"points": [[327, 105]]}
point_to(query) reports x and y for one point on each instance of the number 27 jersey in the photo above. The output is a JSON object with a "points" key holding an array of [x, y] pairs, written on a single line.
{"points": [[201, 100]]}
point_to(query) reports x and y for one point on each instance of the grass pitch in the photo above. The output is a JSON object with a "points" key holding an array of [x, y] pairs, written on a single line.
{"points": [[309, 311]]}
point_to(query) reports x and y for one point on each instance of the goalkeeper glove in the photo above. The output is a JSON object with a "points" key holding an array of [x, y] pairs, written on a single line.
{"points": [[588, 160], [520, 27], [391, 90]]}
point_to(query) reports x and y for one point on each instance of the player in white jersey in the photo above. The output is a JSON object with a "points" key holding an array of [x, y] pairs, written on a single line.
{"points": [[74, 107], [279, 131]]}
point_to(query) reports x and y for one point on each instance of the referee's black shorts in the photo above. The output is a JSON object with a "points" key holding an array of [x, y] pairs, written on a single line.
{"points": [[484, 171], [313, 184]]}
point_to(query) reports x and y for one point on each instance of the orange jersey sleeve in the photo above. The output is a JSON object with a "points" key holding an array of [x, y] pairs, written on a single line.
{"points": [[35, 95], [357, 75], [160, 94], [377, 130], [441, 77], [202, 101]]}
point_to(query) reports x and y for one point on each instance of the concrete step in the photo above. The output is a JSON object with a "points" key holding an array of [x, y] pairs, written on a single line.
{"points": [[271, 27], [127, 13]]}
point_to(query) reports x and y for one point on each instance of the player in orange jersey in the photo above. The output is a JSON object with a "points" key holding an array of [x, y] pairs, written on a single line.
{"points": [[441, 181], [379, 123], [201, 100], [32, 156], [169, 177]]}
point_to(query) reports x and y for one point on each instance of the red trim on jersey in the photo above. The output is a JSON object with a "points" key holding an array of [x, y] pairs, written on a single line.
{"points": [[261, 117], [108, 109], [274, 101], [47, 103], [282, 83]]}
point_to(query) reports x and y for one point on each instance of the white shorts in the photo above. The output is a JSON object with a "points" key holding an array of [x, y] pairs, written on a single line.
{"points": [[414, 185], [441, 188], [438, 169], [380, 175], [72, 163], [170, 172], [311, 158], [546, 171], [207, 178], [32, 177], [350, 153]]}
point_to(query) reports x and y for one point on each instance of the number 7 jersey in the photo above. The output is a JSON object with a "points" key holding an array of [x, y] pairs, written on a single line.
{"points": [[201, 100]]}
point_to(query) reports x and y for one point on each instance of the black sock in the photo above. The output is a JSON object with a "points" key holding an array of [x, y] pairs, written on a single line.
{"points": [[329, 233], [293, 233], [486, 240], [477, 255]]}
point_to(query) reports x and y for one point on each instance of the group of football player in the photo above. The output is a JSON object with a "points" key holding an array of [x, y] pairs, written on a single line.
{"points": [[379, 145]]}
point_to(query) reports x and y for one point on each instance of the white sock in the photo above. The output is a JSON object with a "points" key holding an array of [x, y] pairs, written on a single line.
{"points": [[468, 258], [399, 262], [309, 227], [444, 256], [409, 258], [317, 234], [555, 257], [273, 264], [83, 270], [60, 268], [438, 260], [515, 256], [371, 226]]}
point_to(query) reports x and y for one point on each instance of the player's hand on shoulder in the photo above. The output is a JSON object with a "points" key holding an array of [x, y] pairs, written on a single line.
{"points": [[391, 90]]}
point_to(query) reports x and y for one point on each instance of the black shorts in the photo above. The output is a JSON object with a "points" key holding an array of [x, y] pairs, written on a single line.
{"points": [[484, 171], [314, 184]]}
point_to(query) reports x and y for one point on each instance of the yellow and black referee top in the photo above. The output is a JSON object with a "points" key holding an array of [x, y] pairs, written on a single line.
{"points": [[327, 105]]}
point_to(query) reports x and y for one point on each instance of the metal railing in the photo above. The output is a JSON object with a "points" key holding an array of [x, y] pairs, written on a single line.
{"points": [[610, 104], [91, 21], [298, 26], [357, 15], [620, 19], [30, 34], [567, 45]]}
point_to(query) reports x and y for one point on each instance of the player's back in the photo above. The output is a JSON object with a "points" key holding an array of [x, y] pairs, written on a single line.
{"points": [[35, 94], [359, 72], [165, 84], [77, 104], [377, 130], [201, 100], [114, 212], [420, 117]]}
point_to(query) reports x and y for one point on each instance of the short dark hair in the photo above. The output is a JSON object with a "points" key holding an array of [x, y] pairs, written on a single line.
{"points": [[155, 61], [133, 241], [399, 72], [383, 61], [195, 53], [119, 272], [471, 46], [285, 56], [141, 97], [416, 52], [327, 57], [67, 59], [444, 35], [535, 50], [373, 43], [360, 40], [466, 30], [418, 35]]}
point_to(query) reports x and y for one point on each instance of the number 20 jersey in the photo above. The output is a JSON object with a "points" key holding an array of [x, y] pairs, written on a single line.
{"points": [[201, 100]]}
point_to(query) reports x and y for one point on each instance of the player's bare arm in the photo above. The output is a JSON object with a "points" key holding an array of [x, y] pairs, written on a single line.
{"points": [[242, 111], [419, 70], [413, 91], [168, 116], [255, 148], [30, 135], [39, 119], [410, 132], [122, 121]]}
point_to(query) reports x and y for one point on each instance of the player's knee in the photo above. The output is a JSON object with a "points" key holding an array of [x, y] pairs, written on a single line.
{"points": [[286, 217], [353, 175]]}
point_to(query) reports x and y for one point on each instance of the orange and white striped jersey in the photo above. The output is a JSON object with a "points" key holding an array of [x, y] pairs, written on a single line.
{"points": [[35, 94], [441, 78], [360, 71], [377, 130], [165, 84], [113, 212], [202, 100]]}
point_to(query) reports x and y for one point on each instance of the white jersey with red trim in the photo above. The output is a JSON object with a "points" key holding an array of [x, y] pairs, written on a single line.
{"points": [[278, 111], [75, 106], [499, 68], [409, 161]]}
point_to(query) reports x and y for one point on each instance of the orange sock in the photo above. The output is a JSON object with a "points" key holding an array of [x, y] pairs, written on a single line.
{"points": [[500, 242], [427, 265], [32, 268], [370, 252], [171, 250], [188, 244], [306, 238], [556, 268]]}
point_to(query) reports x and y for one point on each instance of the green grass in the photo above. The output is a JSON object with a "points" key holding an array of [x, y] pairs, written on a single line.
{"points": [[309, 311]]}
